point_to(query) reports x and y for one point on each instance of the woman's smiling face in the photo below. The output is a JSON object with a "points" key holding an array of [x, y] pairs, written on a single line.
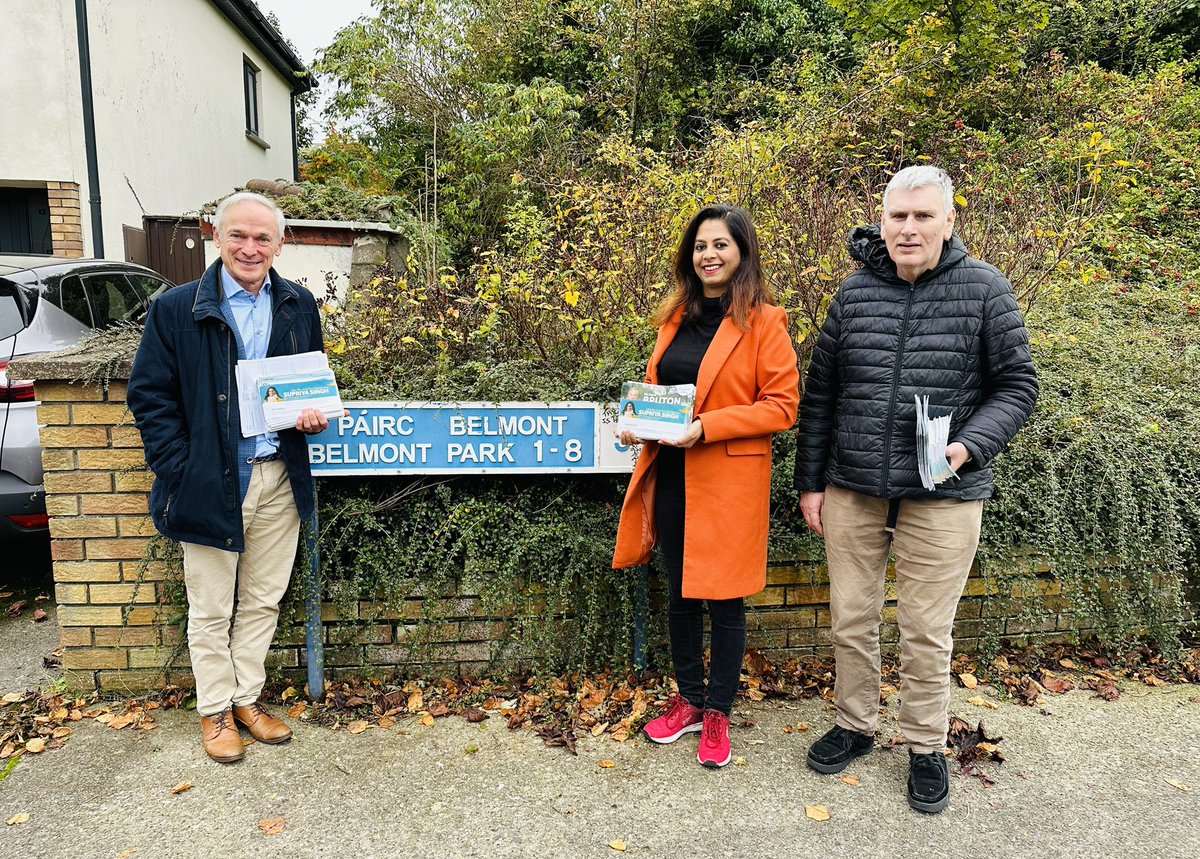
{"points": [[715, 257]]}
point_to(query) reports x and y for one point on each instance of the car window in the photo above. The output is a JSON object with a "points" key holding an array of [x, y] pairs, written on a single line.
{"points": [[67, 294], [10, 315], [113, 298], [151, 287]]}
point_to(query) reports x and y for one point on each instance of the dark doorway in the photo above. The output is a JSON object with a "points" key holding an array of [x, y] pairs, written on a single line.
{"points": [[25, 221], [174, 248]]}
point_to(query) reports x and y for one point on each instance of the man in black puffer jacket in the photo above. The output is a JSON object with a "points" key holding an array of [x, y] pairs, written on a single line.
{"points": [[920, 317]]}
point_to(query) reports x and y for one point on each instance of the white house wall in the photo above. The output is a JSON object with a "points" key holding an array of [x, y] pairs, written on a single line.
{"points": [[42, 136], [169, 107]]}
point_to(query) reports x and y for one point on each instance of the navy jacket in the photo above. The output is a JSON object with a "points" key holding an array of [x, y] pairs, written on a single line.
{"points": [[183, 396], [955, 335]]}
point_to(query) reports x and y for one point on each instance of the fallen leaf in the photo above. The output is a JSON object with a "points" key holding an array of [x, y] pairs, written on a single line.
{"points": [[357, 727], [120, 722], [1000, 663], [126, 853], [816, 812], [470, 750], [182, 787], [12, 697], [6, 595], [386, 722], [607, 764], [787, 729], [475, 715], [35, 746], [297, 709], [739, 761], [17, 819], [1178, 785], [1151, 680], [617, 845], [968, 680], [980, 701], [851, 780], [427, 720], [272, 825], [416, 701], [1067, 664], [804, 726], [599, 728], [39, 616], [16, 608], [61, 733]]}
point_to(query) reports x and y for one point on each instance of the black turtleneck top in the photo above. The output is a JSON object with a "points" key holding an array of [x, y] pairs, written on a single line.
{"points": [[680, 364]]}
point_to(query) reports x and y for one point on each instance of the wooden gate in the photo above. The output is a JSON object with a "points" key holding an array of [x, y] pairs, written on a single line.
{"points": [[175, 248]]}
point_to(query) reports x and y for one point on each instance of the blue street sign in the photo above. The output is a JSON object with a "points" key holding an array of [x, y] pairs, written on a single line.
{"points": [[469, 438]]}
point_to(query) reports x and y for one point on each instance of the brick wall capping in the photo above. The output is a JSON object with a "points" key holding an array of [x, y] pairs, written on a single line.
{"points": [[74, 364]]}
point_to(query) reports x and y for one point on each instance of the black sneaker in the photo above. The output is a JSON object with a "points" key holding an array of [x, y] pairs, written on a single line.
{"points": [[928, 782], [834, 751]]}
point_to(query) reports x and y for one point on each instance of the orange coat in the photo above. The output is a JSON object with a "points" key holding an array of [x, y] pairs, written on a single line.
{"points": [[748, 388]]}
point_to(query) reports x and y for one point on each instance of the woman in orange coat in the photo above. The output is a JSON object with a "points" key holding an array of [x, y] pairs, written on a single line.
{"points": [[705, 499]]}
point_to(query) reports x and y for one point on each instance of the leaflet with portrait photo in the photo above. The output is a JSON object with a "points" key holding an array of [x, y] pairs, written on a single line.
{"points": [[656, 412], [283, 398]]}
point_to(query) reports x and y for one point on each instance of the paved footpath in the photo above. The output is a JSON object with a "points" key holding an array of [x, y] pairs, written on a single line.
{"points": [[1084, 778]]}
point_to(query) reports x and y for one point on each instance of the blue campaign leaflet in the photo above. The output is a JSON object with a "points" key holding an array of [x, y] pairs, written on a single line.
{"points": [[284, 397], [656, 412]]}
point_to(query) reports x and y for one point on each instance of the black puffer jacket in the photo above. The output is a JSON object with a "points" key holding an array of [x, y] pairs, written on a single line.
{"points": [[956, 335]]}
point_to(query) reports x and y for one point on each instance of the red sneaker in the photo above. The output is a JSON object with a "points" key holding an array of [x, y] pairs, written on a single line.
{"points": [[679, 719], [714, 740]]}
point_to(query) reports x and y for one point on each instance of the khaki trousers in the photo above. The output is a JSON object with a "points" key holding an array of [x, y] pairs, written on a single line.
{"points": [[934, 543], [228, 649]]}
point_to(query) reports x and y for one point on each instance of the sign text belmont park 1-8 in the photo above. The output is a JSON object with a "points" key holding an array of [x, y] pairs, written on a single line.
{"points": [[470, 438]]}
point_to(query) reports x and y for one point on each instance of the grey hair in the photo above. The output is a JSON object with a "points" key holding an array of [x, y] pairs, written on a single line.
{"points": [[248, 197], [922, 176]]}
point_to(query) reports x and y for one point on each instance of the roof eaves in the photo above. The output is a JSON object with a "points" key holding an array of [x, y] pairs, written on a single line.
{"points": [[251, 22]]}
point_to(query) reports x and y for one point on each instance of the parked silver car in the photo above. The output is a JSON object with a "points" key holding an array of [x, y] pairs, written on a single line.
{"points": [[47, 303]]}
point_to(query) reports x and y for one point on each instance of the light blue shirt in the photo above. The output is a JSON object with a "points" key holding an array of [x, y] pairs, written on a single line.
{"points": [[252, 316]]}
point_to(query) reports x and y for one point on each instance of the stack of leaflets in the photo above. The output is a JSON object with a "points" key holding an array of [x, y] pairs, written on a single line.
{"points": [[272, 392], [656, 412], [933, 435]]}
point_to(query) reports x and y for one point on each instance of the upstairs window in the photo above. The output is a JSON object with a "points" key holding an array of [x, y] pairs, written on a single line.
{"points": [[250, 74]]}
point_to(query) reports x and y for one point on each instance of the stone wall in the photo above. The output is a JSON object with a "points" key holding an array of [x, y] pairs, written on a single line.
{"points": [[120, 620]]}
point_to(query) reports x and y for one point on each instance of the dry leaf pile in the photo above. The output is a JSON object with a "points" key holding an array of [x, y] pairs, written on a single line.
{"points": [[37, 722]]}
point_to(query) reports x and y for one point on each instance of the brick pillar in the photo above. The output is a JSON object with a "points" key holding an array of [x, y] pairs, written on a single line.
{"points": [[113, 615], [66, 229]]}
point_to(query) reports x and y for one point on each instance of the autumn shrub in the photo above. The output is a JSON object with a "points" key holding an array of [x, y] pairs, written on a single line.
{"points": [[1078, 182]]}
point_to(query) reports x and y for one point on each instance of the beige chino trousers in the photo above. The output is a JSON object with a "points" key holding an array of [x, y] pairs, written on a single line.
{"points": [[934, 543], [229, 649]]}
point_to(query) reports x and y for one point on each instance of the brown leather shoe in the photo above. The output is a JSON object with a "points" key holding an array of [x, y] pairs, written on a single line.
{"points": [[222, 741], [262, 725]]}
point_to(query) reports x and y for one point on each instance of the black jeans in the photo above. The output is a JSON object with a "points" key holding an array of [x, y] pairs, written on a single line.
{"points": [[685, 617]]}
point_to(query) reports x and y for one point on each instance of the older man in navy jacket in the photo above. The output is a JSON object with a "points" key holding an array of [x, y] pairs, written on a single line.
{"points": [[234, 504]]}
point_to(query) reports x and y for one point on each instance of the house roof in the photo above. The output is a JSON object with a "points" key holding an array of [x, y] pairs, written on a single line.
{"points": [[245, 15]]}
